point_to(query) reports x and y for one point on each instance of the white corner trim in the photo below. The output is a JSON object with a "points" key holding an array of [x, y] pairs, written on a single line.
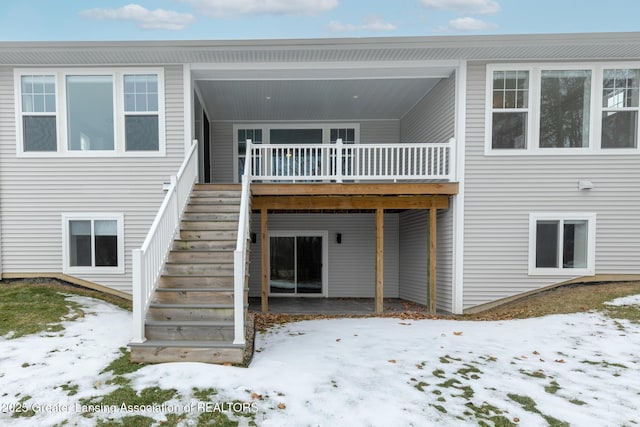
{"points": [[457, 292]]}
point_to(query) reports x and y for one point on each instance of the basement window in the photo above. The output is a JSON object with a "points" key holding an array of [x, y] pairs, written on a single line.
{"points": [[93, 243], [562, 244]]}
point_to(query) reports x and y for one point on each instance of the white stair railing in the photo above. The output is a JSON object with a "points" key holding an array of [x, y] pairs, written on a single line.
{"points": [[339, 161], [148, 261], [240, 253]]}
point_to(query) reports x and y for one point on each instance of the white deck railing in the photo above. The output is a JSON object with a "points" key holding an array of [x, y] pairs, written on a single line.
{"points": [[338, 162], [240, 256], [148, 261]]}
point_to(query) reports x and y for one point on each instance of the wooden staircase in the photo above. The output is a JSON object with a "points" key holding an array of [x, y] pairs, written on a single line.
{"points": [[190, 318]]}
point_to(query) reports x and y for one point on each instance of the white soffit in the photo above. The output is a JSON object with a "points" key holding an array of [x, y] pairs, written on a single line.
{"points": [[355, 99]]}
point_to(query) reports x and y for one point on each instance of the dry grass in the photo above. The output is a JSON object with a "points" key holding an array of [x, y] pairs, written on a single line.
{"points": [[566, 299]]}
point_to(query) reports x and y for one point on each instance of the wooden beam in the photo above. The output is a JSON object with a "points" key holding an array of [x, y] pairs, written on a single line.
{"points": [[264, 236], [349, 202], [379, 293], [360, 189], [432, 260]]}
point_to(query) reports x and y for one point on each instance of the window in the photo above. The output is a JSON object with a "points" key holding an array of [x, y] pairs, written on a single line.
{"points": [[562, 109], [562, 244], [620, 108], [141, 112], [90, 113], [90, 121], [565, 99], [93, 243], [510, 109], [255, 135], [289, 133], [38, 122]]}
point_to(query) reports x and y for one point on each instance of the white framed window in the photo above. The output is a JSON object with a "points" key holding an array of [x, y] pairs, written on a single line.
{"points": [[289, 133], [562, 244], [93, 243], [562, 109], [90, 112], [620, 108]]}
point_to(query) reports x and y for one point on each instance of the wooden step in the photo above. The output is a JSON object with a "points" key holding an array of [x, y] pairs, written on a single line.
{"points": [[180, 312], [208, 225], [161, 351], [208, 234], [196, 199], [177, 282], [211, 216], [211, 208], [204, 245], [190, 330], [193, 295], [233, 187], [181, 269], [204, 257], [236, 194]]}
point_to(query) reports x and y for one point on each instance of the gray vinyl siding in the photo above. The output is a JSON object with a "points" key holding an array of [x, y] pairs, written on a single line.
{"points": [[380, 132], [433, 118], [371, 132], [414, 255], [222, 156], [36, 191], [444, 260], [351, 263], [501, 191], [414, 247]]}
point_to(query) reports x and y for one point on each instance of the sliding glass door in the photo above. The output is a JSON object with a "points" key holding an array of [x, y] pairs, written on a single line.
{"points": [[296, 264]]}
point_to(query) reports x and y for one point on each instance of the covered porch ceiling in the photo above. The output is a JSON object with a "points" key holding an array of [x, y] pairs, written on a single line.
{"points": [[312, 94]]}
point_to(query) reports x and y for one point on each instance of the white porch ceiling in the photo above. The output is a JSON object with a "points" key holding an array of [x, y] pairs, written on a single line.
{"points": [[288, 100]]}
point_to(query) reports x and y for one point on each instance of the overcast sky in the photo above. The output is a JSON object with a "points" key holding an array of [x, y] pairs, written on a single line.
{"points": [[50, 20]]}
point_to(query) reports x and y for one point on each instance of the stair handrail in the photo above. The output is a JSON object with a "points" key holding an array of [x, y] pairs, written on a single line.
{"points": [[149, 259], [240, 254]]}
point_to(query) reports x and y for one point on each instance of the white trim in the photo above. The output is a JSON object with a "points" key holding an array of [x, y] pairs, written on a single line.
{"points": [[533, 118], [458, 205], [187, 99], [92, 216], [325, 258], [589, 270], [117, 75]]}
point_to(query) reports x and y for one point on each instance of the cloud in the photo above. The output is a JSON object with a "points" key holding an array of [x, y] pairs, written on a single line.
{"points": [[481, 7], [371, 23], [146, 19], [468, 24], [228, 8]]}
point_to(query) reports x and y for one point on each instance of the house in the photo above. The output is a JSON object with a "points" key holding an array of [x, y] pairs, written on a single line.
{"points": [[450, 171]]}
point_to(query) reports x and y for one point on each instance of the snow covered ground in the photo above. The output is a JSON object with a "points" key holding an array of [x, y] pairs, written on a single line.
{"points": [[582, 369]]}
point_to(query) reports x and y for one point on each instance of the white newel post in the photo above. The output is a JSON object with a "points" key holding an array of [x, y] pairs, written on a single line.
{"points": [[339, 160], [138, 298]]}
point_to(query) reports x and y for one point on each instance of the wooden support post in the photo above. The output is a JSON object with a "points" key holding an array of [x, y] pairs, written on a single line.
{"points": [[264, 236], [432, 260], [379, 293]]}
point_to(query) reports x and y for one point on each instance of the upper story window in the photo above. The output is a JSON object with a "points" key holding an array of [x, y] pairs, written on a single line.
{"points": [[38, 122], [87, 113], [567, 109], [620, 108]]}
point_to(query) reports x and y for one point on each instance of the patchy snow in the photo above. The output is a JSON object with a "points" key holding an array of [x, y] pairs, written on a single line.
{"points": [[630, 300], [359, 372]]}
